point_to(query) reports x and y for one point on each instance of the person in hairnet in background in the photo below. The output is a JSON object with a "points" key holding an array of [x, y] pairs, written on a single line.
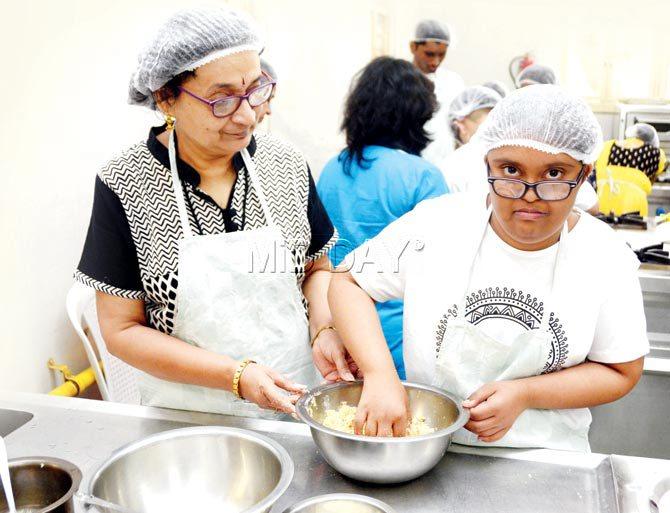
{"points": [[206, 240], [502, 308], [469, 110], [270, 75], [641, 150], [429, 49], [536, 74], [465, 169], [380, 176], [498, 87]]}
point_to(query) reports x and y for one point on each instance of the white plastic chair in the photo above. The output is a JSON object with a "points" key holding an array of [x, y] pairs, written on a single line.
{"points": [[119, 381]]}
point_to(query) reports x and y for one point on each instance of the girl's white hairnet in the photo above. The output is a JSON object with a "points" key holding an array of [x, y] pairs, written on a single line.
{"points": [[472, 99], [545, 118], [189, 39], [536, 74], [646, 133]]}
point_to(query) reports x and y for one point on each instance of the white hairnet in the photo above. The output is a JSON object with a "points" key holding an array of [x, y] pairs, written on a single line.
{"points": [[189, 39], [536, 74], [545, 118], [472, 99], [646, 133], [432, 30], [497, 86]]}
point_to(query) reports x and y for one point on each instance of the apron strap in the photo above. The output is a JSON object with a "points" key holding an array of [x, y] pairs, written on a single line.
{"points": [[178, 191], [255, 181], [461, 308], [544, 325]]}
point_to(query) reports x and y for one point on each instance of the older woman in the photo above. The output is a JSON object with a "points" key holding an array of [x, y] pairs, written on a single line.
{"points": [[501, 306], [206, 240]]}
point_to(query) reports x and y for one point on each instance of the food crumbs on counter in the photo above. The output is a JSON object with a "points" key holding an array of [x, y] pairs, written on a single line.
{"points": [[342, 419]]}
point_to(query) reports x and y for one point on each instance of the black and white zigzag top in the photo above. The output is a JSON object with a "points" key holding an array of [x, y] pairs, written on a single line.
{"points": [[131, 248]]}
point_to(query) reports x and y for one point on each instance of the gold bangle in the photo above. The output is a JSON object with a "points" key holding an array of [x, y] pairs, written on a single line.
{"points": [[319, 331], [238, 375]]}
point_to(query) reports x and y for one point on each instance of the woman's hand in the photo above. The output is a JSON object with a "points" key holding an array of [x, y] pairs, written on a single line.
{"points": [[494, 408], [332, 359], [268, 389], [383, 409]]}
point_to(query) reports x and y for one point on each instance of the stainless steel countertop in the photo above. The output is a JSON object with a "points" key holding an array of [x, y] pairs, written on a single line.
{"points": [[467, 480], [660, 190]]}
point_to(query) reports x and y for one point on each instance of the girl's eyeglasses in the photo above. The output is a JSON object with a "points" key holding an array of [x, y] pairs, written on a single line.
{"points": [[547, 190]]}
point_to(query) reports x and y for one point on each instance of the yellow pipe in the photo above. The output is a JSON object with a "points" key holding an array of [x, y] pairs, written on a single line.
{"points": [[75, 385]]}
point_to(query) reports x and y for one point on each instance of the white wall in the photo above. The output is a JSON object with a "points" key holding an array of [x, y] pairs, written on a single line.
{"points": [[600, 48], [65, 72]]}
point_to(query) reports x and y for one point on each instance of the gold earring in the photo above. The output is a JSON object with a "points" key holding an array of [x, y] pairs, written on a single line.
{"points": [[170, 121]]}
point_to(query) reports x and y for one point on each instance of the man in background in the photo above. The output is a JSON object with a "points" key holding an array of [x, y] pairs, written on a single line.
{"points": [[429, 48]]}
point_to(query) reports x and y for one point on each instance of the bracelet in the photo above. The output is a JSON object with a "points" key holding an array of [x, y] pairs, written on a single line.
{"points": [[238, 375], [319, 331]]}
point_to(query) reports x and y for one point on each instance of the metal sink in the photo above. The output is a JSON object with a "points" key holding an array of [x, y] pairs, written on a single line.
{"points": [[11, 420]]}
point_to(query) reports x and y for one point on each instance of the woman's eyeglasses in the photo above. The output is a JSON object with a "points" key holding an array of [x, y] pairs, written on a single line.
{"points": [[547, 190], [224, 107]]}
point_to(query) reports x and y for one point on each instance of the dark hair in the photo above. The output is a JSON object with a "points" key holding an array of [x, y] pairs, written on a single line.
{"points": [[171, 90], [389, 102]]}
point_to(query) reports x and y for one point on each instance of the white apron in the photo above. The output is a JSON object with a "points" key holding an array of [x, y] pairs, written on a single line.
{"points": [[237, 295], [469, 358]]}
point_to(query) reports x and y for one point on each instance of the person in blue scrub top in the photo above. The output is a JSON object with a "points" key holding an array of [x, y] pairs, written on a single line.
{"points": [[380, 176]]}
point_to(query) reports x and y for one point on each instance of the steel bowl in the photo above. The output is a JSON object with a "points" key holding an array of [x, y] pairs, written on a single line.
{"points": [[659, 499], [340, 503], [208, 468], [42, 485], [378, 459]]}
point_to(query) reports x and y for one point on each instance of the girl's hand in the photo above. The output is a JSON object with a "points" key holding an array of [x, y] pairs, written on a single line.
{"points": [[384, 407], [494, 408]]}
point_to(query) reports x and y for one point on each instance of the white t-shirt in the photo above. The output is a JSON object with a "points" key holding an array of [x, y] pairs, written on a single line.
{"points": [[448, 84], [464, 170], [595, 310]]}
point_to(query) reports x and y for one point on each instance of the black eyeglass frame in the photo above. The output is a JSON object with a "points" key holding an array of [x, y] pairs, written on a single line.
{"points": [[534, 185]]}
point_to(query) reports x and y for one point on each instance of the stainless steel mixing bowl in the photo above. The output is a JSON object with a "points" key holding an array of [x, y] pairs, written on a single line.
{"points": [[376, 459], [208, 468], [340, 503], [42, 485]]}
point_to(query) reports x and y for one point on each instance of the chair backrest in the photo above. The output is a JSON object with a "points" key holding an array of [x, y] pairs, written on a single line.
{"points": [[622, 190], [118, 382]]}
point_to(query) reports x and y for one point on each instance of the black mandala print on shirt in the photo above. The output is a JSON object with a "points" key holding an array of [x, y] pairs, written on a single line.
{"points": [[514, 306]]}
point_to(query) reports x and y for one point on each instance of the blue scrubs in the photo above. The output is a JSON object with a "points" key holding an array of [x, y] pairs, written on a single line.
{"points": [[362, 200]]}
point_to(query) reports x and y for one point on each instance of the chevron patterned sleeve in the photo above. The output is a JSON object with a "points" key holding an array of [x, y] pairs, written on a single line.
{"points": [[109, 260], [326, 248]]}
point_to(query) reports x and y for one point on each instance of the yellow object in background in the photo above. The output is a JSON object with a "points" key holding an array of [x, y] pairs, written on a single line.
{"points": [[623, 187], [622, 190], [633, 152], [74, 385]]}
